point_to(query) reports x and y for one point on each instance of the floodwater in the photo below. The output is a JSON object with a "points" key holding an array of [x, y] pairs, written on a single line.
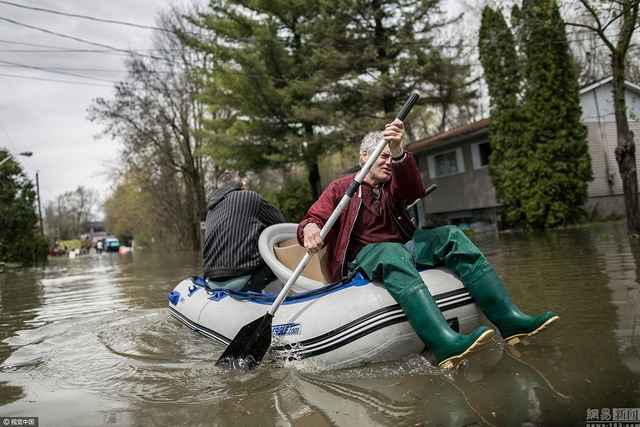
{"points": [[89, 341]]}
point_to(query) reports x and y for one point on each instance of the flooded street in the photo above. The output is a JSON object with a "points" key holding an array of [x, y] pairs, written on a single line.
{"points": [[89, 341]]}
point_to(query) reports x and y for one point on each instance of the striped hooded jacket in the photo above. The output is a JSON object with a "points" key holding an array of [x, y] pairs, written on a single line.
{"points": [[235, 219]]}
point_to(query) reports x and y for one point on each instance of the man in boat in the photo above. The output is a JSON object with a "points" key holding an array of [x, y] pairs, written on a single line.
{"points": [[235, 219], [375, 235]]}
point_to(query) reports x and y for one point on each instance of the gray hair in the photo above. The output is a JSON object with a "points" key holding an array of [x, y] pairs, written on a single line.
{"points": [[369, 142], [229, 179]]}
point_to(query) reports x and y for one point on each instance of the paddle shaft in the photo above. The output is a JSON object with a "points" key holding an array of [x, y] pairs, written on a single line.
{"points": [[341, 206]]}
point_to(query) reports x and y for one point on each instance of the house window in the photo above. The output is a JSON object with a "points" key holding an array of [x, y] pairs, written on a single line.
{"points": [[480, 154], [448, 163]]}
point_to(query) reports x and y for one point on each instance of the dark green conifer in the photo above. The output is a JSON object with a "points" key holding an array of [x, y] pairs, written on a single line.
{"points": [[303, 78], [502, 72], [540, 162], [559, 164], [20, 239]]}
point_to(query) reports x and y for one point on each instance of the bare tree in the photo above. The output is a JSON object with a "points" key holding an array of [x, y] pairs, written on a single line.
{"points": [[71, 213], [156, 115], [614, 23]]}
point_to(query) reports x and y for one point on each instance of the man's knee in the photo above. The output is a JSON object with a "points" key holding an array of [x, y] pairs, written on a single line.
{"points": [[383, 250], [375, 258], [456, 234], [445, 232]]}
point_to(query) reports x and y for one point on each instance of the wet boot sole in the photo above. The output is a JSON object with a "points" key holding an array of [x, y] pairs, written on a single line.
{"points": [[515, 339], [478, 345]]}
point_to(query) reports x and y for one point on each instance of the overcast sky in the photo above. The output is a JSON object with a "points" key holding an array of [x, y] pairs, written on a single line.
{"points": [[51, 68]]}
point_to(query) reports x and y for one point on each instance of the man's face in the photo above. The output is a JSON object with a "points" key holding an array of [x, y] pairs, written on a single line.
{"points": [[381, 170]]}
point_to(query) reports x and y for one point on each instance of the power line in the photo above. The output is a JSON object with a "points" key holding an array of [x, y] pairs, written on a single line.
{"points": [[49, 70], [53, 80], [90, 70], [111, 21], [114, 50], [44, 30], [462, 45], [54, 48], [74, 15], [60, 49]]}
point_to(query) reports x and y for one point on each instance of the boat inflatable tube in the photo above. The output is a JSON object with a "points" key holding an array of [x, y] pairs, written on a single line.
{"points": [[330, 327]]}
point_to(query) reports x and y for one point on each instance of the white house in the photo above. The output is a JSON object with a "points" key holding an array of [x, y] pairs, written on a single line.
{"points": [[596, 100]]}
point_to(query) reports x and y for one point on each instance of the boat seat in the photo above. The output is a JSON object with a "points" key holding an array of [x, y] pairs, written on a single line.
{"points": [[290, 253], [279, 248]]}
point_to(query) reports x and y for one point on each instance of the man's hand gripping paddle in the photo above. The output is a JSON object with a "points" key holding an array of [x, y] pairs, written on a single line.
{"points": [[253, 340]]}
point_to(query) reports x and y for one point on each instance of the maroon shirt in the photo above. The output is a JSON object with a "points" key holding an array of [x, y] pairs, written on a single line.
{"points": [[374, 222], [404, 188]]}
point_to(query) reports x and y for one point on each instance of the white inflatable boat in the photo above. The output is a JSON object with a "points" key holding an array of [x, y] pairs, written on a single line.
{"points": [[332, 326]]}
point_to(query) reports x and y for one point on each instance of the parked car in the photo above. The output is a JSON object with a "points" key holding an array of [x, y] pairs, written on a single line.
{"points": [[56, 250], [111, 244]]}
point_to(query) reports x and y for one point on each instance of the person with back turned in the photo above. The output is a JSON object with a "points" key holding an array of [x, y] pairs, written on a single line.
{"points": [[375, 235], [235, 218]]}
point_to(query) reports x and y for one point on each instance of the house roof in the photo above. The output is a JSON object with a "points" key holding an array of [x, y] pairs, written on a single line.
{"points": [[452, 135], [455, 135], [605, 81]]}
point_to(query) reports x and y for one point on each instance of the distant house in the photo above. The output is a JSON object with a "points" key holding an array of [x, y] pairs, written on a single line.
{"points": [[457, 162], [95, 227], [605, 191]]}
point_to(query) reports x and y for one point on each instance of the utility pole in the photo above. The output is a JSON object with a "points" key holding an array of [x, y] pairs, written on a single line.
{"points": [[39, 208]]}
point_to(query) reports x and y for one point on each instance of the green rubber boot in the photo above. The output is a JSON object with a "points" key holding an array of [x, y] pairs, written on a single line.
{"points": [[447, 345], [392, 264], [494, 301]]}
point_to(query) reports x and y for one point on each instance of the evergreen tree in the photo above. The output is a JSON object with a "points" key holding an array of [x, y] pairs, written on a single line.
{"points": [[20, 239], [502, 65], [264, 70], [540, 162], [306, 77], [378, 52], [559, 166]]}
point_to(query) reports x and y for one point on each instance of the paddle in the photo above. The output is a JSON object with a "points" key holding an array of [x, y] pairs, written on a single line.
{"points": [[253, 340]]}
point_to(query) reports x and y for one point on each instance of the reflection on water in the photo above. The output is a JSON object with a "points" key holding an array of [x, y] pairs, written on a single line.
{"points": [[88, 341]]}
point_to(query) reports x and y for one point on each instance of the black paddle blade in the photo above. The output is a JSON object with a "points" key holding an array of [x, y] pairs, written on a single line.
{"points": [[249, 346]]}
